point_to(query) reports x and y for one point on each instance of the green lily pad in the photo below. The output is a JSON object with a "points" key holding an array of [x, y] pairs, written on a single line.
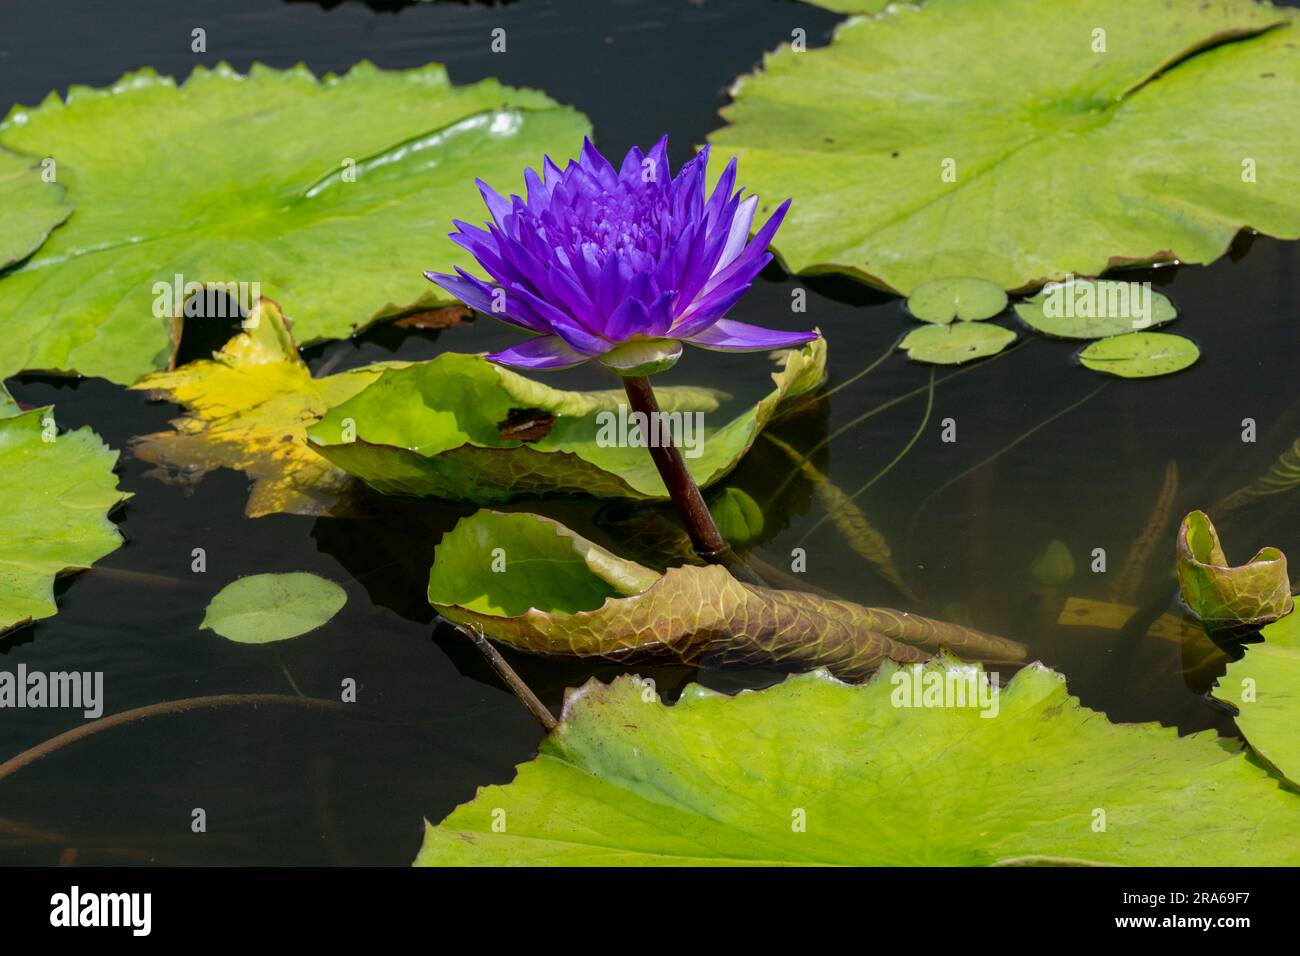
{"points": [[535, 585], [323, 192], [942, 300], [994, 138], [1140, 354], [1225, 597], [1094, 309], [1265, 688], [264, 608], [813, 771], [56, 492], [954, 344], [461, 427], [33, 207]]}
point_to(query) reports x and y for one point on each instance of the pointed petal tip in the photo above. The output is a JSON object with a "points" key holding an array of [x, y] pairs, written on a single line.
{"points": [[727, 335]]}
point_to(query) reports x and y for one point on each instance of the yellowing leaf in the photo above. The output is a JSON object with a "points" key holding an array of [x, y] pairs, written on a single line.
{"points": [[537, 586], [249, 408]]}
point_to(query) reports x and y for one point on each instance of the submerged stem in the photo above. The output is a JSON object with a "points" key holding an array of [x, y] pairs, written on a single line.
{"points": [[217, 701], [705, 537], [512, 680]]}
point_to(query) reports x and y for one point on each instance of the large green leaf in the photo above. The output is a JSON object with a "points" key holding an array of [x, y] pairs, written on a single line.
{"points": [[1226, 597], [1064, 159], [1265, 687], [530, 582], [231, 178], [813, 771], [32, 207], [265, 608], [444, 428], [55, 495]]}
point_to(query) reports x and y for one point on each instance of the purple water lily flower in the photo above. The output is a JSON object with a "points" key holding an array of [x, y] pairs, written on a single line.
{"points": [[621, 266]]}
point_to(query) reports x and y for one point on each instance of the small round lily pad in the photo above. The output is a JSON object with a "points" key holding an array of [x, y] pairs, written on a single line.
{"points": [[264, 608], [1094, 309], [1140, 354], [954, 344], [942, 300]]}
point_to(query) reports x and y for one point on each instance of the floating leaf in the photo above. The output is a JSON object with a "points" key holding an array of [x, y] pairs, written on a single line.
{"points": [[435, 428], [1140, 354], [1094, 309], [813, 771], [1282, 475], [942, 300], [533, 584], [954, 344], [264, 608], [249, 410], [321, 191], [1223, 597], [911, 156], [1265, 688], [33, 207], [55, 495]]}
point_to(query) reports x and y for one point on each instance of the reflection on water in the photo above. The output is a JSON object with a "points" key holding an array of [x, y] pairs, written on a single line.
{"points": [[1043, 451]]}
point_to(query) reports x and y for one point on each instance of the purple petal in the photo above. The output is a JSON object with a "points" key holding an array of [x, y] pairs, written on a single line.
{"points": [[726, 335], [706, 310], [746, 264], [597, 165], [721, 193], [497, 205], [563, 325], [740, 223], [629, 319], [660, 314], [543, 352], [477, 294]]}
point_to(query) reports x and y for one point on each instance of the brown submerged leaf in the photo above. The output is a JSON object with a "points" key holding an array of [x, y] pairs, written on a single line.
{"points": [[858, 531], [537, 586], [1283, 475], [443, 318], [526, 424], [1128, 584]]}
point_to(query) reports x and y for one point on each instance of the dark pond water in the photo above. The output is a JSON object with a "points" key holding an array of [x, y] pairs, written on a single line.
{"points": [[1042, 453]]}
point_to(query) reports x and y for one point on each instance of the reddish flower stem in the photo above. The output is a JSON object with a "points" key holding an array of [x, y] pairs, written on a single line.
{"points": [[705, 537]]}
